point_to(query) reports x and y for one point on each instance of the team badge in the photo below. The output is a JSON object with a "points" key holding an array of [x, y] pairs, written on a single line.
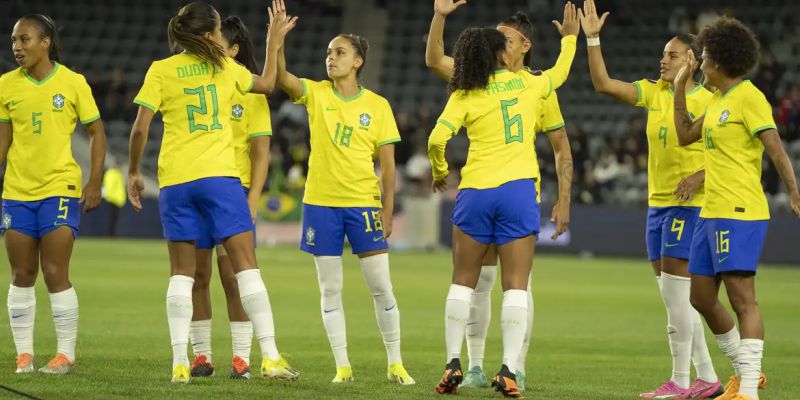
{"points": [[724, 116], [6, 220], [691, 117], [310, 233], [365, 119], [238, 111], [58, 101]]}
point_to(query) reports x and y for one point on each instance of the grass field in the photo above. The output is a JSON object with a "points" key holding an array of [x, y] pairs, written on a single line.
{"points": [[598, 333]]}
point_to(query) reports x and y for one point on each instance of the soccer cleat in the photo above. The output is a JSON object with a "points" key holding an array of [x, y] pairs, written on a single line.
{"points": [[732, 387], [59, 365], [25, 364], [343, 374], [669, 390], [475, 378], [506, 383], [239, 368], [701, 389], [180, 374], [201, 367], [451, 379], [738, 396], [278, 369], [397, 373], [520, 380]]}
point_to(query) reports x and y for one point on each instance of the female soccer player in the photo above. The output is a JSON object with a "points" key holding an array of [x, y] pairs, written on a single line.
{"points": [[675, 194], [518, 30], [197, 169], [251, 137], [40, 103], [350, 126], [497, 207], [736, 129]]}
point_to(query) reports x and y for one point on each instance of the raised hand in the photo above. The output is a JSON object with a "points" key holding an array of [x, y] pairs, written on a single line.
{"points": [[280, 23], [590, 23], [445, 7], [687, 71], [571, 25]]}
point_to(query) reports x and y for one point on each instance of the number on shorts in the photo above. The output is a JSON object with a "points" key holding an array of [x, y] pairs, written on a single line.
{"points": [[376, 224], [723, 242], [63, 208], [677, 226]]}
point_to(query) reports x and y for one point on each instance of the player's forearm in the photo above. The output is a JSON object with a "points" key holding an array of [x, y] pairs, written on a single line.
{"points": [[387, 187], [560, 70], [564, 168], [684, 127], [270, 72], [287, 82], [136, 148], [259, 164], [777, 153], [97, 146], [435, 59], [436, 145], [597, 69]]}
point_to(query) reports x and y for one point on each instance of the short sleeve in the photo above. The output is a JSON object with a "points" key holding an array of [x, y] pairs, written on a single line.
{"points": [[86, 107], [388, 127], [551, 114], [308, 92], [645, 89], [454, 113], [4, 115], [757, 114], [150, 94], [258, 123], [243, 77]]}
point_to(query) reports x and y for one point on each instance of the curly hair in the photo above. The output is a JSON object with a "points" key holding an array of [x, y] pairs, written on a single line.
{"points": [[476, 53], [522, 23], [731, 45]]}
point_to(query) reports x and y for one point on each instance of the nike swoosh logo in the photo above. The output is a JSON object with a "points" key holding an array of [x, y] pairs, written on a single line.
{"points": [[330, 109], [671, 244], [390, 308], [329, 311], [15, 102], [377, 239], [18, 316], [722, 259], [655, 109]]}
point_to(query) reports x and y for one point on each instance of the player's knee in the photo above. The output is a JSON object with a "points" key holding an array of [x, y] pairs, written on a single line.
{"points": [[486, 279], [202, 280], [742, 303], [229, 285], [702, 304], [23, 277], [55, 277]]}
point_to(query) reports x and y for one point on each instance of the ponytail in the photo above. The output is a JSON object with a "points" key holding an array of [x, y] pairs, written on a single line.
{"points": [[186, 30]]}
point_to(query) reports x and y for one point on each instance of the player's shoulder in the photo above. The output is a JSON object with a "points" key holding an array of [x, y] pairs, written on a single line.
{"points": [[375, 99], [66, 73], [11, 76]]}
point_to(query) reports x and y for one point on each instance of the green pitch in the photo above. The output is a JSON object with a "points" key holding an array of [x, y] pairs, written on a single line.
{"points": [[598, 333]]}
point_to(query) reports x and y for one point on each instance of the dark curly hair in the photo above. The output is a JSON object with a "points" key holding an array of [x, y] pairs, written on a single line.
{"points": [[731, 45], [476, 52], [521, 22]]}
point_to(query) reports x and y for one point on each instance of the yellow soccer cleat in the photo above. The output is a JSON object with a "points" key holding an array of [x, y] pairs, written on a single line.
{"points": [[25, 364], [732, 387], [60, 365], [343, 374], [278, 369], [397, 373], [180, 374]]}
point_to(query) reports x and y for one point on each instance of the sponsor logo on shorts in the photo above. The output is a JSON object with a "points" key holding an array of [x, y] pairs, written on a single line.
{"points": [[722, 259], [6, 220], [377, 238], [310, 234], [671, 244]]}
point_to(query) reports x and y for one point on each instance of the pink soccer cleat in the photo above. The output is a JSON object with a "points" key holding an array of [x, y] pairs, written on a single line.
{"points": [[669, 390]]}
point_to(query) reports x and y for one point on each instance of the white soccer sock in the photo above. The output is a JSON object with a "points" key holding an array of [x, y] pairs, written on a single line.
{"points": [[480, 314], [456, 314], [331, 281], [680, 327], [523, 353], [64, 306], [387, 312], [179, 316], [200, 336], [242, 339], [513, 321], [700, 356], [750, 352], [729, 344], [255, 302], [21, 316]]}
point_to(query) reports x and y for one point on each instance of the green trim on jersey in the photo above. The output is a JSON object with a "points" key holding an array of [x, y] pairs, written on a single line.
{"points": [[734, 87], [252, 82], [46, 78], [388, 141], [145, 105], [638, 92], [552, 128], [760, 129], [347, 100], [7, 121], [256, 134], [696, 89], [447, 124], [90, 120]]}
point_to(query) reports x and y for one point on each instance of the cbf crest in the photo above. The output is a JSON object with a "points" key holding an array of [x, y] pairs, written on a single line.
{"points": [[310, 234], [237, 111], [364, 119], [724, 116], [58, 101], [6, 220]]}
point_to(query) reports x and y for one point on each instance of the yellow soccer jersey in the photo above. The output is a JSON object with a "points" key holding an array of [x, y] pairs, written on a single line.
{"points": [[667, 161], [43, 115], [345, 137], [500, 121], [734, 152], [249, 118], [194, 101]]}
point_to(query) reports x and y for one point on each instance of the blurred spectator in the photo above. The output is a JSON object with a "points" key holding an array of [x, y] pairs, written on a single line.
{"points": [[769, 76]]}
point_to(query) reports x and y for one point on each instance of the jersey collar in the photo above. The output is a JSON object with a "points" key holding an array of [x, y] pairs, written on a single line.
{"points": [[46, 78]]}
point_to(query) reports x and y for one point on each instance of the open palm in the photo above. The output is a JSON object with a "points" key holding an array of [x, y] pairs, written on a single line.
{"points": [[445, 7], [590, 23]]}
